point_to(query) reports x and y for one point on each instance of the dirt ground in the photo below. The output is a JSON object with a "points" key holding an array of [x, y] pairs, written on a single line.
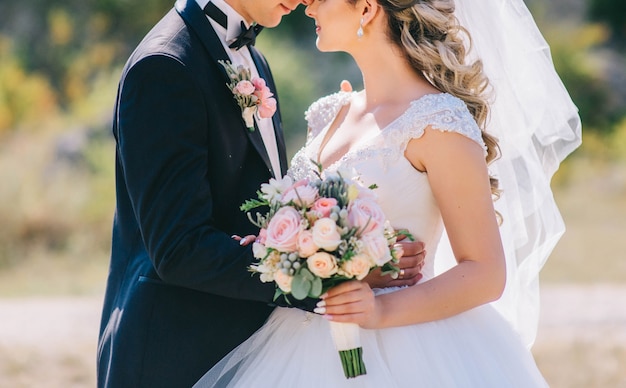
{"points": [[51, 342]]}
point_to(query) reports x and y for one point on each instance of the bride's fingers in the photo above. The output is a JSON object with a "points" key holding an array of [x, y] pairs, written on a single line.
{"points": [[343, 288], [347, 318], [348, 299], [360, 307]]}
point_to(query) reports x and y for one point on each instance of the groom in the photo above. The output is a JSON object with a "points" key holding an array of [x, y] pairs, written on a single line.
{"points": [[179, 295]]}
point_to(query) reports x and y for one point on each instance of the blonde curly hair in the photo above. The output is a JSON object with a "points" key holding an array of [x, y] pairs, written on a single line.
{"points": [[432, 40]]}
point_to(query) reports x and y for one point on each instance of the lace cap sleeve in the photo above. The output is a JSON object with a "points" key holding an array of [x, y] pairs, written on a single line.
{"points": [[443, 112], [323, 111]]}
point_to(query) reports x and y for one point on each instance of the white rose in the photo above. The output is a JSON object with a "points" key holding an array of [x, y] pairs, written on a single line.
{"points": [[326, 234], [258, 250], [358, 267], [376, 247], [322, 264]]}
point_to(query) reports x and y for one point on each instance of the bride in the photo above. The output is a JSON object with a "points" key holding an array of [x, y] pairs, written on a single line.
{"points": [[424, 126]]}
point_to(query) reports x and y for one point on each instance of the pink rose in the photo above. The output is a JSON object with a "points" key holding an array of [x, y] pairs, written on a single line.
{"points": [[267, 107], [306, 245], [262, 236], [266, 104], [301, 194], [358, 267], [262, 91], [323, 206], [366, 214], [376, 247], [326, 234], [283, 229], [245, 88], [322, 264]]}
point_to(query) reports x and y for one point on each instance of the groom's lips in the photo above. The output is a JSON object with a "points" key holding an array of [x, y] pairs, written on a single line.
{"points": [[285, 8]]}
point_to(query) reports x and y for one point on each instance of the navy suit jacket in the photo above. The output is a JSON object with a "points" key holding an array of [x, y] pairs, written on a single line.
{"points": [[179, 295]]}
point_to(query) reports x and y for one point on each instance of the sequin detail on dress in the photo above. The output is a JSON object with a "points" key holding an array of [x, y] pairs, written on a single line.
{"points": [[443, 112]]}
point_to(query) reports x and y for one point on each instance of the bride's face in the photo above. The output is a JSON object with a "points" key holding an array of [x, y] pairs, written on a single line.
{"points": [[336, 23]]}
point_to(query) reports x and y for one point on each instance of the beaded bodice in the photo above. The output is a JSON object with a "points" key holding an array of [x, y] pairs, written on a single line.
{"points": [[403, 192]]}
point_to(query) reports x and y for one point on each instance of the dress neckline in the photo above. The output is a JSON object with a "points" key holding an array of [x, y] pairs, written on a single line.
{"points": [[364, 143]]}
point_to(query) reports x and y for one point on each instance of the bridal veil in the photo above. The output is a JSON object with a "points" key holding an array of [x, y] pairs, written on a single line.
{"points": [[537, 125]]}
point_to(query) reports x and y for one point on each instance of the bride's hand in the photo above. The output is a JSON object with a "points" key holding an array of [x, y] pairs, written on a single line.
{"points": [[411, 265], [352, 302], [243, 241]]}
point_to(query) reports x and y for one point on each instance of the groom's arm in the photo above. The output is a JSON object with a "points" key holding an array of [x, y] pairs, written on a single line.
{"points": [[162, 148]]}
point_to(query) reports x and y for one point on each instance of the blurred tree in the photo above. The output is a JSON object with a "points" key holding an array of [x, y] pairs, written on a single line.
{"points": [[613, 13]]}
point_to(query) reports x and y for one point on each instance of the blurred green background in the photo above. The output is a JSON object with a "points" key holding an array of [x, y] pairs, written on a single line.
{"points": [[60, 61]]}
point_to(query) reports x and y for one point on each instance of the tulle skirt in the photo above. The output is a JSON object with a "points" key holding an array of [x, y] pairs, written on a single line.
{"points": [[294, 349]]}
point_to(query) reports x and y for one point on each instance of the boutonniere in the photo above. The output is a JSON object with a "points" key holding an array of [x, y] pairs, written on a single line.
{"points": [[252, 94]]}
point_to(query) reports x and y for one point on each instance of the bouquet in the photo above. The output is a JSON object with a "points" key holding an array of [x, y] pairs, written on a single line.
{"points": [[318, 233]]}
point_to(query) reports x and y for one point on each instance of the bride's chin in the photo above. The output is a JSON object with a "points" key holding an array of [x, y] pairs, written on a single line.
{"points": [[322, 47]]}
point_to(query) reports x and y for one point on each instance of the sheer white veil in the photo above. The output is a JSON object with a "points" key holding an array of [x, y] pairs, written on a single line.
{"points": [[537, 125]]}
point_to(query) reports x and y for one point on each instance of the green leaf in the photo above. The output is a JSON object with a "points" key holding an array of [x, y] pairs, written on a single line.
{"points": [[316, 288], [300, 286], [278, 293], [252, 204], [307, 274]]}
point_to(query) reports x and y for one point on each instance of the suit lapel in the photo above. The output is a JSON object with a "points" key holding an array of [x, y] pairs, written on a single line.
{"points": [[191, 12]]}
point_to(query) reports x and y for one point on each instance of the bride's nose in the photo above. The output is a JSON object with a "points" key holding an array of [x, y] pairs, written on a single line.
{"points": [[308, 11]]}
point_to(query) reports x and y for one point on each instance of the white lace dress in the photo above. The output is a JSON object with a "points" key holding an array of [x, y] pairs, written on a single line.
{"points": [[477, 348]]}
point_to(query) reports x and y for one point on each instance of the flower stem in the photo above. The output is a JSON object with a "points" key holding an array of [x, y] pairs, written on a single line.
{"points": [[352, 362]]}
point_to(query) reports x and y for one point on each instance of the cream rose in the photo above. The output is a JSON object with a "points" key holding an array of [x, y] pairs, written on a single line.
{"points": [[306, 245], [326, 234], [283, 229], [283, 281], [375, 246], [322, 264], [358, 267]]}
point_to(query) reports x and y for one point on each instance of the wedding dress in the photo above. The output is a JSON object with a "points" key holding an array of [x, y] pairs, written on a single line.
{"points": [[477, 348]]}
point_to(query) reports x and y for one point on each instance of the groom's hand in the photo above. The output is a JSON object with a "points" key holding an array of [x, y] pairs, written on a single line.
{"points": [[411, 264]]}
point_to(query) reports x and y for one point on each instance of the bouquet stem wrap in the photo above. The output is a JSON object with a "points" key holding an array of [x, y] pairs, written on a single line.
{"points": [[347, 339]]}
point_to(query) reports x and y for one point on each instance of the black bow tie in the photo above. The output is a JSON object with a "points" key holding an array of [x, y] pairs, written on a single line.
{"points": [[246, 37]]}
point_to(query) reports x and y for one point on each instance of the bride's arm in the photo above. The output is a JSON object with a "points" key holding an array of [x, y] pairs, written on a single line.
{"points": [[458, 176]]}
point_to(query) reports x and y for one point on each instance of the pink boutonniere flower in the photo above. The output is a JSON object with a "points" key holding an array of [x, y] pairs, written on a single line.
{"points": [[252, 94]]}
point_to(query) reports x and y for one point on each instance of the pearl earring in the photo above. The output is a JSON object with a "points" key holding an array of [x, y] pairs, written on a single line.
{"points": [[359, 32]]}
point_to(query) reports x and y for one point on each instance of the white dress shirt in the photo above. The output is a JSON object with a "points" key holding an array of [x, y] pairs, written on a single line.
{"points": [[243, 57]]}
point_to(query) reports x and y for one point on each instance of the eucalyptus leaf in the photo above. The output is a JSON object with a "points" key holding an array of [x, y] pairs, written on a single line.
{"points": [[306, 274], [300, 286], [316, 288]]}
